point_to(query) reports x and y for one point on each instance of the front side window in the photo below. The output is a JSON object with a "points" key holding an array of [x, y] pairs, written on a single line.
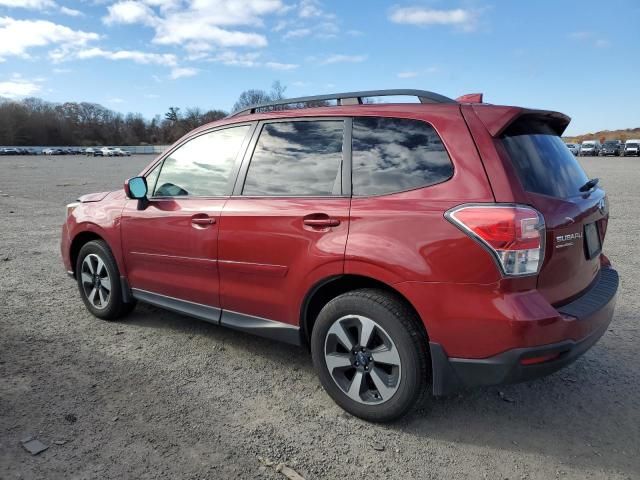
{"points": [[202, 166], [297, 158], [152, 177], [396, 154]]}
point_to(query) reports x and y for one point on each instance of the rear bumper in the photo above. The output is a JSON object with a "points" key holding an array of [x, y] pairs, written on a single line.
{"points": [[595, 307]]}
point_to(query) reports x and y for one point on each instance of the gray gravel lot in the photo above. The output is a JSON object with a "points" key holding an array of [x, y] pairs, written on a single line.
{"points": [[163, 396]]}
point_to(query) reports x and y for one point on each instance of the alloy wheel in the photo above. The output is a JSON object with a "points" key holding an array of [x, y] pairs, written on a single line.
{"points": [[362, 359], [96, 283]]}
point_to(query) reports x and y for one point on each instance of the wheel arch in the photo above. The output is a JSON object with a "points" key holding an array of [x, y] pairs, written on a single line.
{"points": [[329, 288], [78, 242]]}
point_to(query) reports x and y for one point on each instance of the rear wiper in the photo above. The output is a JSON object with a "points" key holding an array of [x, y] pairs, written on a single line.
{"points": [[589, 185]]}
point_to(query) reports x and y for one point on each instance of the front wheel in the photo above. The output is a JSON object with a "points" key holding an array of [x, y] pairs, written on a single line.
{"points": [[99, 281], [370, 353]]}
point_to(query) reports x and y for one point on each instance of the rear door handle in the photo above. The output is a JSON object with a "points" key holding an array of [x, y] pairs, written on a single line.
{"points": [[203, 220], [321, 222]]}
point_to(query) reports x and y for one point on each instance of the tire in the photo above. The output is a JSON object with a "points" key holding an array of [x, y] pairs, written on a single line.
{"points": [[99, 281], [395, 328]]}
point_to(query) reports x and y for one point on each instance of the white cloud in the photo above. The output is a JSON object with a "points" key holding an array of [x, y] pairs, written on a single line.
{"points": [[18, 88], [129, 12], [311, 9], [61, 70], [407, 74], [28, 4], [587, 36], [210, 21], [281, 66], [181, 72], [464, 19], [230, 57], [340, 58], [19, 36], [249, 60], [297, 33], [165, 59], [116, 100], [71, 12]]}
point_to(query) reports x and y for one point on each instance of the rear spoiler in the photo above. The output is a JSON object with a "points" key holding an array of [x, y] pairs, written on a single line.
{"points": [[497, 118]]}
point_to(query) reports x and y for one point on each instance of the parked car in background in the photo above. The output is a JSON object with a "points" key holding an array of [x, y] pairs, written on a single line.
{"points": [[632, 148], [108, 152], [612, 147], [97, 152], [53, 151], [9, 151], [122, 153], [356, 230], [590, 148], [574, 148], [89, 151]]}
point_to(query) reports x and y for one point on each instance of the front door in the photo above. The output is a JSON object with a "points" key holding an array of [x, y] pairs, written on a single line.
{"points": [[170, 247], [286, 226]]}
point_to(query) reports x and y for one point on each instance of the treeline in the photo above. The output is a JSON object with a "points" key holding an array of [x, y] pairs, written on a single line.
{"points": [[35, 122]]}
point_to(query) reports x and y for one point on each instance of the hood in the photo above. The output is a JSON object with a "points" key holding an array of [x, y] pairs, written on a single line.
{"points": [[93, 197]]}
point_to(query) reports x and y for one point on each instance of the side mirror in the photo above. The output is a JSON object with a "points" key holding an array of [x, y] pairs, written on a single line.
{"points": [[136, 188]]}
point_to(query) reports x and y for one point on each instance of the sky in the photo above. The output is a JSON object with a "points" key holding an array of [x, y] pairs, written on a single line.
{"points": [[579, 57]]}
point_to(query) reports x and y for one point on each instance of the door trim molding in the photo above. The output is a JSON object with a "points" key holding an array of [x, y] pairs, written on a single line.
{"points": [[262, 327]]}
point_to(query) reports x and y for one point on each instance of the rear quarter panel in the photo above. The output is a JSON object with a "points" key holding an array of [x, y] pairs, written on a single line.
{"points": [[405, 237]]}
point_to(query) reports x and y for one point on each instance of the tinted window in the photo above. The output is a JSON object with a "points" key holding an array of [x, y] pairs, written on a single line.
{"points": [[297, 159], [202, 166], [395, 154], [541, 160]]}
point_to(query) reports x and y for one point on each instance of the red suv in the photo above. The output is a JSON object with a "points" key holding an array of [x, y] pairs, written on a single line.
{"points": [[442, 244]]}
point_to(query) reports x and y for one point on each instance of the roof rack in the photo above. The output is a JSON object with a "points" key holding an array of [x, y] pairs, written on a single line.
{"points": [[348, 98]]}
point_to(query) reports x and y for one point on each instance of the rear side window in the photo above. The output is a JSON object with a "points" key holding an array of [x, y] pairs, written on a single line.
{"points": [[543, 164], [396, 154], [299, 158]]}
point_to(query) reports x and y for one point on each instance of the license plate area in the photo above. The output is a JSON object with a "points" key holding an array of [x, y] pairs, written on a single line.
{"points": [[592, 244]]}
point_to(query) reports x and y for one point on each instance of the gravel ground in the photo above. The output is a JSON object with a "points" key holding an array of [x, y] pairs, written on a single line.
{"points": [[163, 396]]}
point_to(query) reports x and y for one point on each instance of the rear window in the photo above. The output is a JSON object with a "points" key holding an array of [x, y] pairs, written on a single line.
{"points": [[543, 163], [396, 154]]}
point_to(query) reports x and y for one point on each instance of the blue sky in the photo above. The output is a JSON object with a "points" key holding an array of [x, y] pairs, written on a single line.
{"points": [[580, 57]]}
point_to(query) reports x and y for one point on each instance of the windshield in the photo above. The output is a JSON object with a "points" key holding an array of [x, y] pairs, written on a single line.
{"points": [[541, 160], [610, 144], [588, 145], [632, 145]]}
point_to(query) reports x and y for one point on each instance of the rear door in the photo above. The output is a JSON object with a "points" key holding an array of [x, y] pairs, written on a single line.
{"points": [[286, 225], [575, 215]]}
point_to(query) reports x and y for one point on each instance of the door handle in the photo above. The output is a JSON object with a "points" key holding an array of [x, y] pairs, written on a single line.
{"points": [[203, 220], [321, 222]]}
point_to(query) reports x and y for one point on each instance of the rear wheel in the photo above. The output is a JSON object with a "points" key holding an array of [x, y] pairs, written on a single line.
{"points": [[99, 281], [370, 354]]}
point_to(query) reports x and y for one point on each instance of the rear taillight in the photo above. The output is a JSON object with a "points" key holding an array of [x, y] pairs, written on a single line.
{"points": [[513, 234]]}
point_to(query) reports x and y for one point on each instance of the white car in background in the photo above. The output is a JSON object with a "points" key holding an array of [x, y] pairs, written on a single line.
{"points": [[574, 148], [122, 153], [590, 148], [632, 148], [108, 152]]}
